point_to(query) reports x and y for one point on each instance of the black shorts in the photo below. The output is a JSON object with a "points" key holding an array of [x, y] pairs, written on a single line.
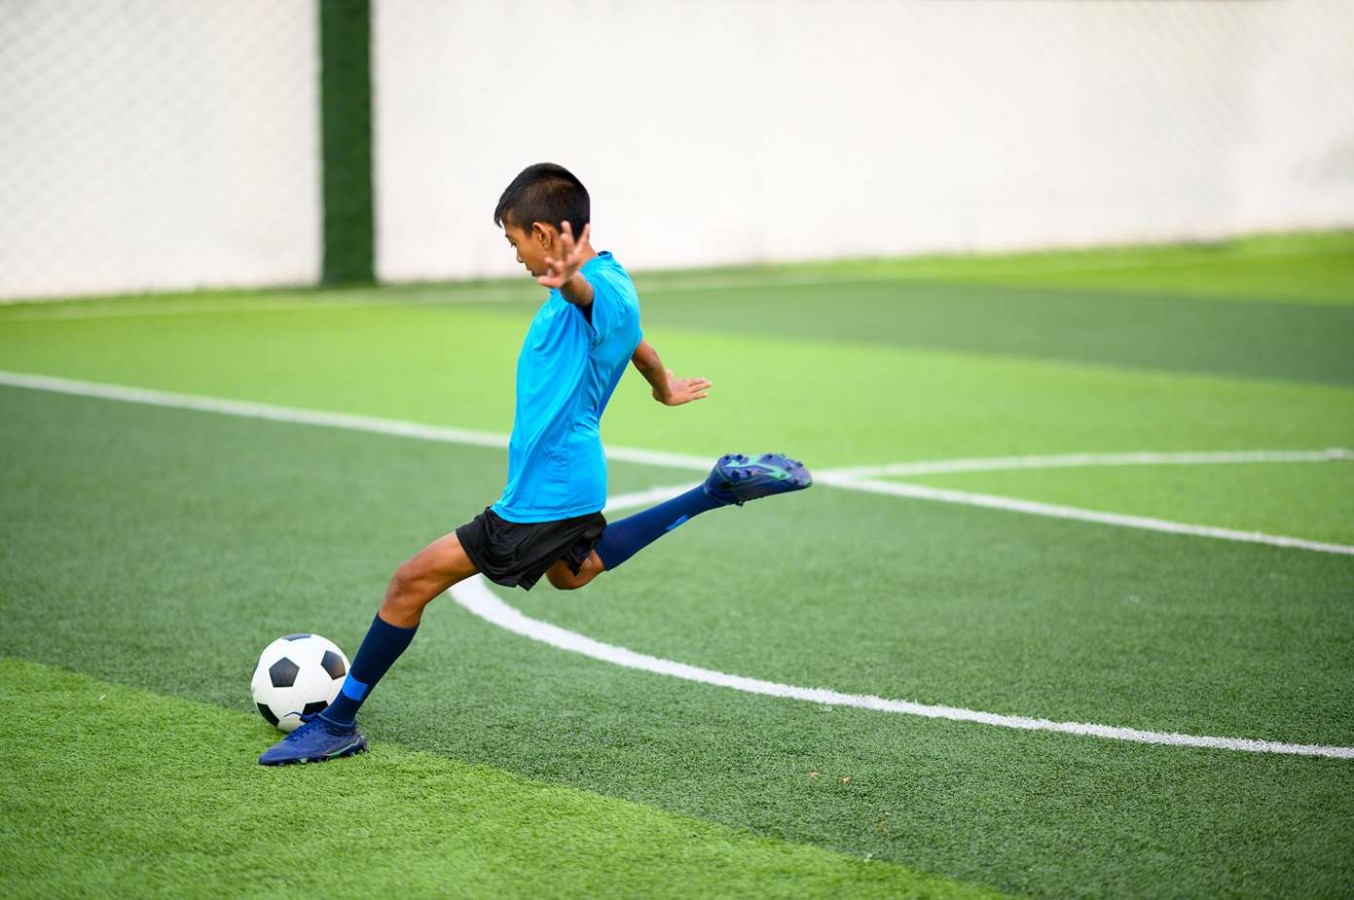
{"points": [[517, 554]]}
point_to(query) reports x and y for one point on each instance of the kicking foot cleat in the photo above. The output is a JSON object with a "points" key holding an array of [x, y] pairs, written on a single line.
{"points": [[315, 741], [737, 479]]}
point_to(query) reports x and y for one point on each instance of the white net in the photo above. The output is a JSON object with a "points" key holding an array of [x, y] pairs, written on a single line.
{"points": [[162, 144], [155, 144]]}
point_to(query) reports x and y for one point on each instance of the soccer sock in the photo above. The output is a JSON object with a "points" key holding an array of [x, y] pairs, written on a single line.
{"points": [[625, 538], [380, 648]]}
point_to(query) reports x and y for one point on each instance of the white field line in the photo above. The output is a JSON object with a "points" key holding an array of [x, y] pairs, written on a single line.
{"points": [[320, 418], [249, 410], [645, 498], [1052, 511], [476, 597], [1076, 460], [834, 478]]}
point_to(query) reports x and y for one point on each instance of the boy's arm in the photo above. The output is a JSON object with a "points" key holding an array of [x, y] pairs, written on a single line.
{"points": [[578, 291], [563, 273], [667, 390]]}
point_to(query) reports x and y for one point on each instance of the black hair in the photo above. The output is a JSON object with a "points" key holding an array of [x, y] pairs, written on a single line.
{"points": [[548, 193]]}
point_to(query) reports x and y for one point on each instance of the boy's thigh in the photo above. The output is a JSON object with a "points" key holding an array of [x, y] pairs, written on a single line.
{"points": [[442, 560]]}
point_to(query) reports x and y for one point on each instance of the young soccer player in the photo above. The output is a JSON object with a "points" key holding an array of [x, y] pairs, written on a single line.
{"points": [[548, 520]]}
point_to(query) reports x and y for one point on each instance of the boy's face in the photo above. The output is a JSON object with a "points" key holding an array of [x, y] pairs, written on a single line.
{"points": [[532, 246]]}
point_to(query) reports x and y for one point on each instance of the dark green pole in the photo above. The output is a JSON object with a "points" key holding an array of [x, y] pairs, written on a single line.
{"points": [[345, 113]]}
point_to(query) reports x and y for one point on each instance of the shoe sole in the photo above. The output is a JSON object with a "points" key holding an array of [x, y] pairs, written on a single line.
{"points": [[351, 750], [797, 477]]}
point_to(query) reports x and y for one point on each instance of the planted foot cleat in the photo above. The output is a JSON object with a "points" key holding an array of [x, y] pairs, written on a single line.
{"points": [[737, 479], [315, 741]]}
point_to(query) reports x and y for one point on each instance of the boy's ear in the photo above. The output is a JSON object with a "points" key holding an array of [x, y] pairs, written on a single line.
{"points": [[542, 234]]}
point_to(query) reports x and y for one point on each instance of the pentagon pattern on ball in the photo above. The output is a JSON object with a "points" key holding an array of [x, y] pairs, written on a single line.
{"points": [[296, 675], [267, 714], [333, 664], [283, 673]]}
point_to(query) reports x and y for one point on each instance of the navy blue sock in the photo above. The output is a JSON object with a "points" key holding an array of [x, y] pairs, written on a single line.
{"points": [[625, 538], [380, 648]]}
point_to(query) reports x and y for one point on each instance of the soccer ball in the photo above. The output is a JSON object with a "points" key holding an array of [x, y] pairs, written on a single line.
{"points": [[296, 674]]}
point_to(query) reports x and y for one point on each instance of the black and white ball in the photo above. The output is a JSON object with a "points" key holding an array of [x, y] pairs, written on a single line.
{"points": [[296, 674]]}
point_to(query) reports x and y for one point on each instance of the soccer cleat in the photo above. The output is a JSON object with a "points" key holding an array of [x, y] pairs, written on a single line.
{"points": [[736, 479], [315, 741]]}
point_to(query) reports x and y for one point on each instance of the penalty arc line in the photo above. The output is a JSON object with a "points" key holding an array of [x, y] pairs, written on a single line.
{"points": [[848, 479], [476, 597]]}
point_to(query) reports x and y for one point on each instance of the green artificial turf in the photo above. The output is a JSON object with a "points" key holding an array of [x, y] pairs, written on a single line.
{"points": [[162, 549], [1139, 307], [830, 403], [1304, 267], [1315, 267], [145, 531], [135, 794]]}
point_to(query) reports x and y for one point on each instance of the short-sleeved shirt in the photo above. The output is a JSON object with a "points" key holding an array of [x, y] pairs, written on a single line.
{"points": [[571, 362]]}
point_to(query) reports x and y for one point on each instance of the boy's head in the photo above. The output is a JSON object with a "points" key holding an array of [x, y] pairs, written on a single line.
{"points": [[533, 208]]}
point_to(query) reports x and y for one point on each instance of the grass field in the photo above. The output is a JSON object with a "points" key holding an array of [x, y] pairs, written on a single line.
{"points": [[150, 550]]}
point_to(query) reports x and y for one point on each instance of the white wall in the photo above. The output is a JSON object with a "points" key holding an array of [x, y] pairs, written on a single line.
{"points": [[156, 144], [713, 132], [163, 144]]}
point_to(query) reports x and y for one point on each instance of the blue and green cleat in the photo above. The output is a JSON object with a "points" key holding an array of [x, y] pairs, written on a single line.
{"points": [[315, 741], [737, 479]]}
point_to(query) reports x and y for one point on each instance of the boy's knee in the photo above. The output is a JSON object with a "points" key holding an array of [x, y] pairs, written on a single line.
{"points": [[405, 577], [411, 586]]}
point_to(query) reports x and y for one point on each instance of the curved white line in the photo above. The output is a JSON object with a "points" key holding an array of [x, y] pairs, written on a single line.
{"points": [[475, 596]]}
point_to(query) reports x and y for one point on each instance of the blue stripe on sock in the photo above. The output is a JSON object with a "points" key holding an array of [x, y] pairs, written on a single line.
{"points": [[682, 521], [353, 689]]}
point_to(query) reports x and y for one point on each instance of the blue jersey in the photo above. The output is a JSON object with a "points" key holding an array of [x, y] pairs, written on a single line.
{"points": [[570, 364]]}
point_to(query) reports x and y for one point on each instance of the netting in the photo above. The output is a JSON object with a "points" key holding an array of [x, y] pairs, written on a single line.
{"points": [[156, 144]]}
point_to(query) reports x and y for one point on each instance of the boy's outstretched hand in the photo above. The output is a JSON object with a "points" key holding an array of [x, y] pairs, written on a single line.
{"points": [[668, 389], [561, 270], [681, 390]]}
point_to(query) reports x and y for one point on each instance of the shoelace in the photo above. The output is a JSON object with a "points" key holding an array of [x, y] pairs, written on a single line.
{"points": [[308, 724]]}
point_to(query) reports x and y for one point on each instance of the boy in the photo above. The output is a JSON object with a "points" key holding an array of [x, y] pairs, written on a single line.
{"points": [[548, 521]]}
